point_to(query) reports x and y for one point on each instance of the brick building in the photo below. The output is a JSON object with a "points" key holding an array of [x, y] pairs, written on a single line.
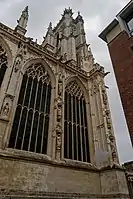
{"points": [[119, 37], [56, 133]]}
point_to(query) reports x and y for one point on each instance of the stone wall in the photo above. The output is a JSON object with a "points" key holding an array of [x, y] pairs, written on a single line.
{"points": [[38, 176]]}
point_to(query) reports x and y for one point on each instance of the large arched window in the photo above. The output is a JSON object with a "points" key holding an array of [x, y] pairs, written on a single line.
{"points": [[31, 121], [76, 140], [3, 64]]}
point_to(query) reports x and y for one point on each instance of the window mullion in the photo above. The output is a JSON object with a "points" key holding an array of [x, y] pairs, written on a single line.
{"points": [[27, 116], [33, 115], [25, 91], [18, 127], [41, 98], [21, 112], [44, 120], [24, 129], [37, 132], [38, 119], [67, 126], [72, 127], [81, 148], [84, 128], [76, 126]]}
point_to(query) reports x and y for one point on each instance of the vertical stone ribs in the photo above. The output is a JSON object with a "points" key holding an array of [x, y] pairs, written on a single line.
{"points": [[31, 121], [76, 141]]}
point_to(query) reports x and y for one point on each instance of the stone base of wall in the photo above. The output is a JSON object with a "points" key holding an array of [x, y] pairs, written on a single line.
{"points": [[26, 175], [12, 194]]}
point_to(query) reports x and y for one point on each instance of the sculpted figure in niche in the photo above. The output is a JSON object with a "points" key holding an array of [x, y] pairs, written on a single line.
{"points": [[104, 96], [17, 63], [60, 88], [3, 56], [108, 119], [58, 141], [59, 114], [5, 111], [60, 77], [112, 146]]}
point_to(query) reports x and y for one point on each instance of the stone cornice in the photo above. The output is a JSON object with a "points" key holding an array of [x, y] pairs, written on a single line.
{"points": [[60, 195], [44, 159]]}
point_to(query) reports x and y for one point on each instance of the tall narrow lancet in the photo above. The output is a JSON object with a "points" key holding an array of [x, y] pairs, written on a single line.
{"points": [[22, 22]]}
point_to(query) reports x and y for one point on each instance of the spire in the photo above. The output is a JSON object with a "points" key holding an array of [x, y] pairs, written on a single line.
{"points": [[67, 12], [50, 28], [22, 21], [79, 18]]}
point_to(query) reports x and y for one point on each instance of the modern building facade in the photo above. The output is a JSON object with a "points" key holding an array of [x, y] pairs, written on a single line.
{"points": [[56, 133], [119, 37]]}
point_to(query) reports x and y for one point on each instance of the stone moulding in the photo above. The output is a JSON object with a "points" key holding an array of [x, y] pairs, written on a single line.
{"points": [[16, 194], [44, 159]]}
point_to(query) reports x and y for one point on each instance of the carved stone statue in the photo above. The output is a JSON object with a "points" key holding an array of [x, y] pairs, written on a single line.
{"points": [[17, 63], [22, 22], [113, 147], [3, 56], [60, 88], [59, 114], [104, 96], [58, 141], [5, 111]]}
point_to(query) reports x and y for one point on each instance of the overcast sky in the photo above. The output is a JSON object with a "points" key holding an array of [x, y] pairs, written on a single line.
{"points": [[97, 15]]}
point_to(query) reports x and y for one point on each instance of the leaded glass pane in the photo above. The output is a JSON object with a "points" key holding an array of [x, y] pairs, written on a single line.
{"points": [[31, 121], [76, 139]]}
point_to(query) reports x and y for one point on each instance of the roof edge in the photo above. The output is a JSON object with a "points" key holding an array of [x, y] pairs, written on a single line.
{"points": [[112, 25]]}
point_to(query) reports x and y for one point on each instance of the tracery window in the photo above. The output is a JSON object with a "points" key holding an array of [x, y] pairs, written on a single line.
{"points": [[76, 140], [31, 121], [3, 64]]}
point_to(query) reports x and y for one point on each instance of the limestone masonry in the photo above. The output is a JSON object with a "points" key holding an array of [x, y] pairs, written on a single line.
{"points": [[56, 133]]}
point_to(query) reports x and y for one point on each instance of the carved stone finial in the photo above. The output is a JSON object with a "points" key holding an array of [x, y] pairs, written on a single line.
{"points": [[68, 12], [50, 30], [79, 17], [23, 20]]}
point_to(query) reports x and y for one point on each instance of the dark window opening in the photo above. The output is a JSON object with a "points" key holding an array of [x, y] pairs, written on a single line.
{"points": [[3, 64], [129, 22], [57, 42], [76, 139], [31, 122]]}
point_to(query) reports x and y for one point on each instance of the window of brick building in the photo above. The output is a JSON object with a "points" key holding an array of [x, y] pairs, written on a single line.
{"points": [[129, 22]]}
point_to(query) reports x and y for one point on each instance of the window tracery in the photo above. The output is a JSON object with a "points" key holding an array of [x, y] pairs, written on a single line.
{"points": [[31, 121], [3, 63], [76, 140]]}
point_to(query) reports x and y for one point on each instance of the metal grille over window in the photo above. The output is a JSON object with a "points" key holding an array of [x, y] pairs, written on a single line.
{"points": [[3, 64], [31, 121], [76, 140]]}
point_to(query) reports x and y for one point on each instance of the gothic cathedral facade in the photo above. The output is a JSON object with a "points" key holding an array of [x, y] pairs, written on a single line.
{"points": [[56, 134]]}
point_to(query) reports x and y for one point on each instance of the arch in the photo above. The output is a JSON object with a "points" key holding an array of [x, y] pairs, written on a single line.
{"points": [[80, 83], [76, 136], [30, 131], [45, 64], [7, 49]]}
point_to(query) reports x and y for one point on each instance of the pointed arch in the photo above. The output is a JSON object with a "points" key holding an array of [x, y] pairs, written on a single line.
{"points": [[7, 49], [43, 62], [80, 83], [31, 123], [76, 138]]}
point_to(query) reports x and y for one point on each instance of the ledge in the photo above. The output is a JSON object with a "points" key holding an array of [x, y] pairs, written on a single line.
{"points": [[17, 194], [44, 159]]}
